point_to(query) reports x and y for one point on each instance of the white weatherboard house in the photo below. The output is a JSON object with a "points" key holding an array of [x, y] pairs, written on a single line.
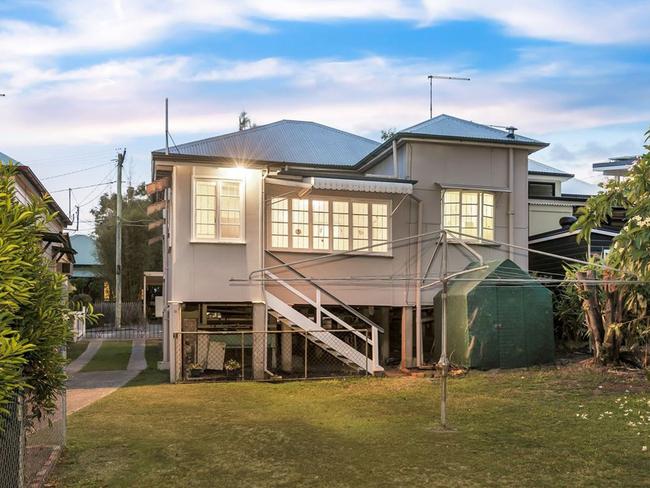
{"points": [[354, 217], [56, 242]]}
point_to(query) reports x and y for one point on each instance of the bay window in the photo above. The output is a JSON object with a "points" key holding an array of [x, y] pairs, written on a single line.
{"points": [[469, 212], [324, 224], [218, 210]]}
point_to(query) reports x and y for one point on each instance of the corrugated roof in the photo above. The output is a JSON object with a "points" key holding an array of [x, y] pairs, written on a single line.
{"points": [[537, 167], [86, 250], [5, 159], [447, 126], [285, 141], [574, 186]]}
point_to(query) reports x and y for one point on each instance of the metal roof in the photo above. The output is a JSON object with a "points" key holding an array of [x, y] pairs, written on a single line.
{"points": [[285, 141], [33, 179], [540, 168], [446, 126], [574, 186]]}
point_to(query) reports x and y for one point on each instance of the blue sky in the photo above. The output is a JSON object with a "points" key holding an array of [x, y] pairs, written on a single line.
{"points": [[83, 78]]}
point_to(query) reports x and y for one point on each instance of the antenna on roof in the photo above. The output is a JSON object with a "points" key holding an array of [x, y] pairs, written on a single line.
{"points": [[438, 77], [166, 125]]}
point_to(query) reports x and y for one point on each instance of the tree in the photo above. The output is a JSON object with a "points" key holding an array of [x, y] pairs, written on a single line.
{"points": [[34, 320], [387, 133], [615, 290], [137, 255], [245, 121]]}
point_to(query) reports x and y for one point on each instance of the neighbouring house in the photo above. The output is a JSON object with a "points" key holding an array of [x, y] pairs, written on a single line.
{"points": [[298, 226], [553, 194], [56, 242], [554, 199], [616, 167], [86, 275]]}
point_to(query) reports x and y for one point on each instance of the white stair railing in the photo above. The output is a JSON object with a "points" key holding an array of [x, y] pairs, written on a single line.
{"points": [[318, 332]]}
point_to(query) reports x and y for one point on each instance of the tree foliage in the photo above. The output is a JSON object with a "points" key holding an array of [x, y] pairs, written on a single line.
{"points": [[34, 323], [387, 133], [137, 255], [615, 291]]}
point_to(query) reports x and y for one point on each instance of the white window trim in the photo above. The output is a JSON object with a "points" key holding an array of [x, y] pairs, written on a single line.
{"points": [[330, 199], [474, 240], [242, 209]]}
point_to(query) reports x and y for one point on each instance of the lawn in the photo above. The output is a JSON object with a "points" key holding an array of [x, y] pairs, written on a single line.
{"points": [[75, 349], [539, 427], [112, 356]]}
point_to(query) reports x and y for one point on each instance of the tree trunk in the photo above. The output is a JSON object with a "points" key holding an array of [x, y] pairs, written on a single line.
{"points": [[592, 310], [612, 317]]}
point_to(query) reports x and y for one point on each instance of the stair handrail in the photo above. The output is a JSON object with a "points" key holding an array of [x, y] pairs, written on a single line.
{"points": [[347, 307]]}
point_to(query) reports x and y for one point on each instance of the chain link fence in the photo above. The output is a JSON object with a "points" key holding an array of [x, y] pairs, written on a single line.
{"points": [[29, 449], [271, 355]]}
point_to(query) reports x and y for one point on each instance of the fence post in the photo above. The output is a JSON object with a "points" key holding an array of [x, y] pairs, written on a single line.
{"points": [[366, 352], [375, 348], [318, 308], [306, 344], [242, 355]]}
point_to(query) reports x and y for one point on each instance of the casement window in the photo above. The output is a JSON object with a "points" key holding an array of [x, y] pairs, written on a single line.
{"points": [[218, 211], [324, 224], [469, 212]]}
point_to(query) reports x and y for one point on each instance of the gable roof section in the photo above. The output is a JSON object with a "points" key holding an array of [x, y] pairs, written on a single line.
{"points": [[574, 186], [448, 127], [285, 141], [36, 183]]}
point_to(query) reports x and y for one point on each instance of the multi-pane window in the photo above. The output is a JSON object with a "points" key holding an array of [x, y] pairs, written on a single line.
{"points": [[218, 210], [340, 226], [329, 225], [469, 212]]}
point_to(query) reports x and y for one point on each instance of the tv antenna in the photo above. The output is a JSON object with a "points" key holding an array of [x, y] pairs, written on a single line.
{"points": [[438, 77]]}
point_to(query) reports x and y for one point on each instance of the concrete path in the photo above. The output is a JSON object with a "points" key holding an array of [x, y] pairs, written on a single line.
{"points": [[86, 388], [76, 365]]}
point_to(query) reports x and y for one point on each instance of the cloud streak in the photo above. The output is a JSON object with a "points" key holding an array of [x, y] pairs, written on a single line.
{"points": [[115, 26]]}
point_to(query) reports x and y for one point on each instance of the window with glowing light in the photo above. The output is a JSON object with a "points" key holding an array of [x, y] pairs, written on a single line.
{"points": [[470, 213], [329, 224], [218, 210]]}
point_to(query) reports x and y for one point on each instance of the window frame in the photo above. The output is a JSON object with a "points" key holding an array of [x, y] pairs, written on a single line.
{"points": [[480, 238], [241, 239], [330, 199]]}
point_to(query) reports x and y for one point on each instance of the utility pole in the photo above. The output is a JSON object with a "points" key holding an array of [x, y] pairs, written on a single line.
{"points": [[118, 242], [437, 77], [77, 217], [69, 202]]}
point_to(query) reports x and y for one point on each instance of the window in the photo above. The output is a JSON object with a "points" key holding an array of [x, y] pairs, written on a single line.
{"points": [[469, 212], [539, 189], [321, 224], [218, 210]]}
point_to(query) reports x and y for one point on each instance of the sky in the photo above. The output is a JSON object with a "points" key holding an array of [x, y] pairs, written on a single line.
{"points": [[85, 78]]}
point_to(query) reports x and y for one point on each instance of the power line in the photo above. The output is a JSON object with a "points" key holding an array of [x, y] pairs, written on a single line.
{"points": [[81, 187], [76, 171]]}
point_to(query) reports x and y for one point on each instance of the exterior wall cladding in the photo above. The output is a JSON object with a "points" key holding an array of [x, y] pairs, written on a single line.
{"points": [[201, 272]]}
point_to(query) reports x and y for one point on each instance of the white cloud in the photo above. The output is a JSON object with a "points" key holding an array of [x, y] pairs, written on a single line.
{"points": [[111, 26]]}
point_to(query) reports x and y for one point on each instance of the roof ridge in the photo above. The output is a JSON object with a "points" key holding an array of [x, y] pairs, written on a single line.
{"points": [[228, 134], [340, 131]]}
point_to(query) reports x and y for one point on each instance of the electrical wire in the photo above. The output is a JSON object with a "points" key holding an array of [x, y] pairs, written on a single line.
{"points": [[81, 187], [76, 171]]}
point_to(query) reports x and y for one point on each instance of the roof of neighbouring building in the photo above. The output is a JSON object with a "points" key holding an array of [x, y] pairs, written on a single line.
{"points": [[36, 183], [449, 127], [574, 186], [86, 250], [536, 167], [285, 141]]}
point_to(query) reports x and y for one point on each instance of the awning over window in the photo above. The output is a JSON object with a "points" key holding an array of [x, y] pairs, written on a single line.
{"points": [[360, 185]]}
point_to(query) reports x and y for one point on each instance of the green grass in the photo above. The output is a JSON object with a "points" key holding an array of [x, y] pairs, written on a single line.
{"points": [[75, 349], [112, 356], [510, 429]]}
